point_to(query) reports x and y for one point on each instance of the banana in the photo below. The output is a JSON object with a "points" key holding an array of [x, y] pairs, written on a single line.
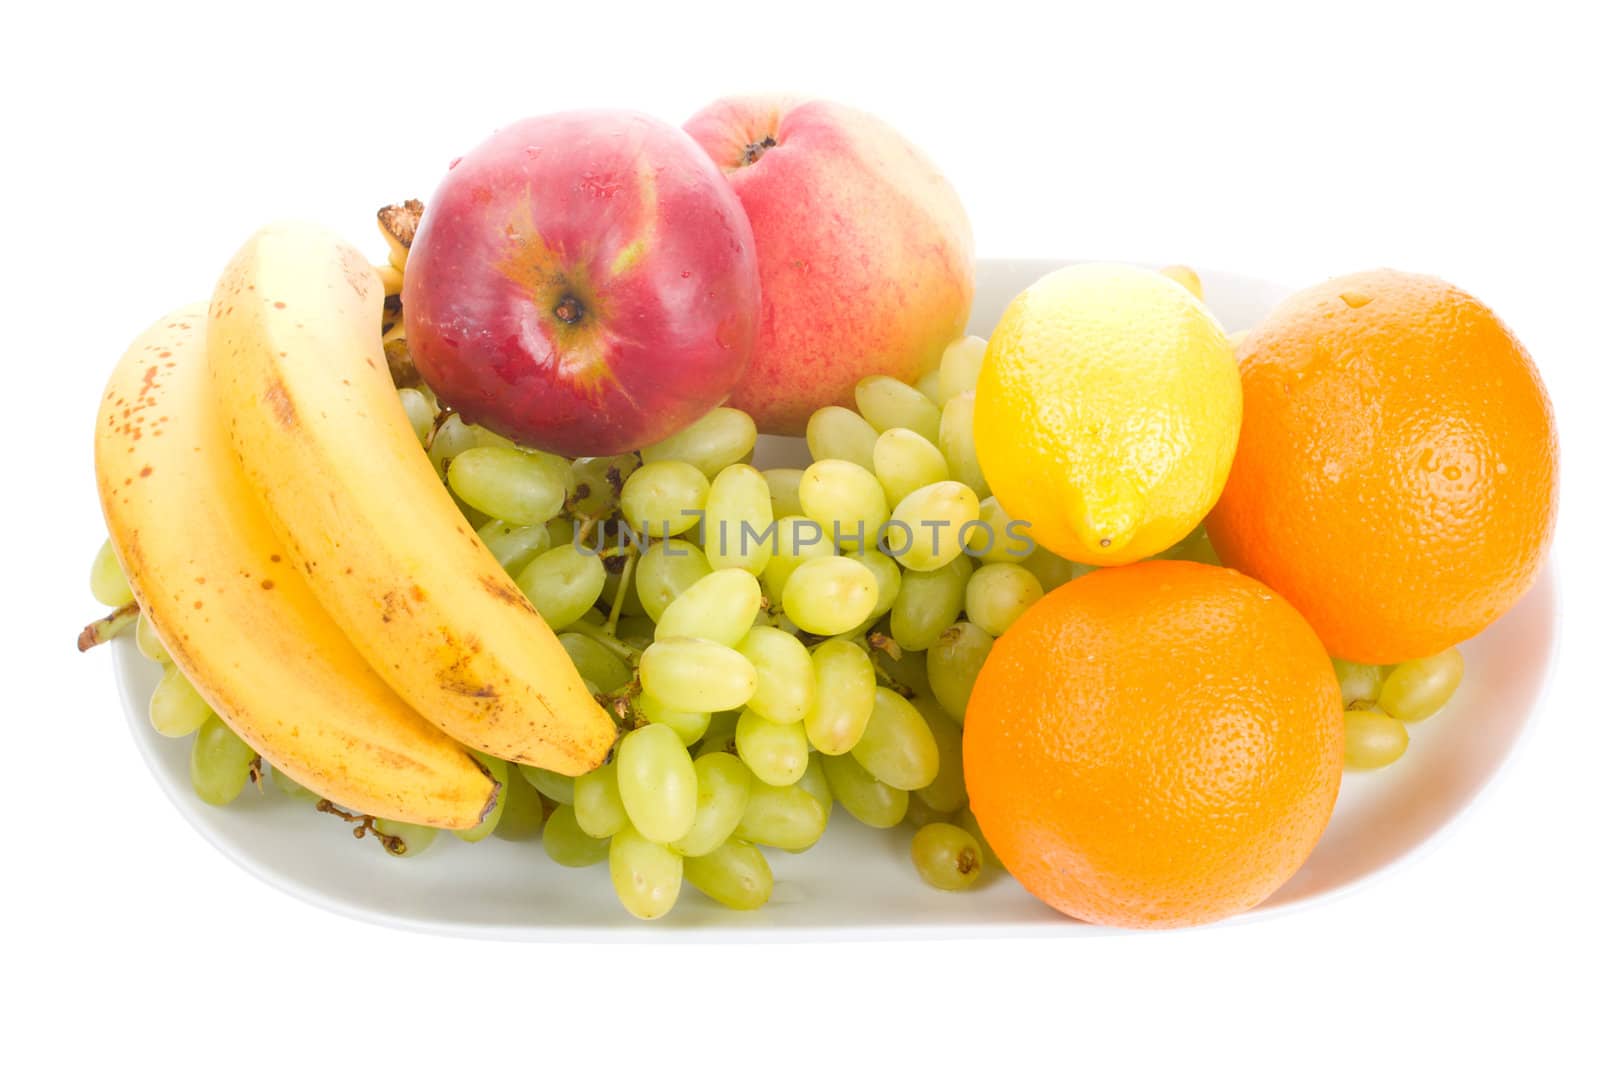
{"points": [[298, 365], [237, 618]]}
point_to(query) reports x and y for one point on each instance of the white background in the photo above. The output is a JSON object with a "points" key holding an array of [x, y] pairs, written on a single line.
{"points": [[1293, 141]]}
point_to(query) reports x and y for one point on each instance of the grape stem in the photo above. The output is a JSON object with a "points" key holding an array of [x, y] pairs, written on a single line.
{"points": [[393, 844], [619, 705], [622, 592], [884, 645], [102, 630], [617, 647]]}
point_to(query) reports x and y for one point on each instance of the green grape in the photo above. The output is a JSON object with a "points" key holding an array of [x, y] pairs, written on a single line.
{"points": [[690, 726], [645, 874], [502, 777], [597, 484], [404, 838], [846, 688], [948, 790], [954, 661], [665, 499], [897, 747], [969, 822], [930, 526], [597, 801], [567, 844], [452, 436], [636, 631], [929, 604], [219, 762], [910, 671], [723, 790], [693, 674], [720, 607], [291, 788], [597, 663], [784, 485], [786, 686], [665, 571], [148, 641], [736, 875], [781, 816], [928, 385], [863, 796], [947, 857], [562, 531], [719, 733], [1371, 738], [846, 500], [176, 708], [521, 809], [1418, 688], [998, 594], [839, 433], [1195, 547], [816, 783], [957, 443], [720, 437], [738, 522], [775, 752], [905, 462], [523, 488], [888, 403], [918, 814], [887, 572], [420, 412], [1358, 681], [656, 782], [830, 595], [1000, 538], [106, 580], [959, 366], [798, 539], [1052, 571], [558, 787], [514, 546], [563, 583]]}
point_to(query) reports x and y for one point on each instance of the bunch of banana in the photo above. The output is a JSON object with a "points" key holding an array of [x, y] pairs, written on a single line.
{"points": [[303, 565]]}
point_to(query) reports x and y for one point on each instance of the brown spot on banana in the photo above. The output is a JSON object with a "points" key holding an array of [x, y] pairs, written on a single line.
{"points": [[277, 398]]}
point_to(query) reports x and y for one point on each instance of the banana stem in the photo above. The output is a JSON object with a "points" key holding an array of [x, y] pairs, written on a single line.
{"points": [[102, 630]]}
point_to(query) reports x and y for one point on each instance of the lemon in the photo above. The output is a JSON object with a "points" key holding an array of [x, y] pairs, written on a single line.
{"points": [[1107, 412]]}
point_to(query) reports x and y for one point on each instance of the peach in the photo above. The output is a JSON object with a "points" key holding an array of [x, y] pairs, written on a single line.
{"points": [[864, 251]]}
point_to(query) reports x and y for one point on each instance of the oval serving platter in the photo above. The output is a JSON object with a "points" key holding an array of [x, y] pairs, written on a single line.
{"points": [[857, 883]]}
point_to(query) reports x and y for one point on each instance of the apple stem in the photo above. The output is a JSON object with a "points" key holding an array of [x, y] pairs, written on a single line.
{"points": [[756, 150]]}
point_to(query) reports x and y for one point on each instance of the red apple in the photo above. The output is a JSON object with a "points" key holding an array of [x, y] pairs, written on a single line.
{"points": [[583, 283], [865, 251]]}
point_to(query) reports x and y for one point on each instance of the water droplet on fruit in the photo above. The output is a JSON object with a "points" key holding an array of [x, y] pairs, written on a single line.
{"points": [[1355, 300]]}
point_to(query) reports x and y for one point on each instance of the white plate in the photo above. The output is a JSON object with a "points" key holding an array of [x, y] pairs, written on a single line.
{"points": [[856, 883]]}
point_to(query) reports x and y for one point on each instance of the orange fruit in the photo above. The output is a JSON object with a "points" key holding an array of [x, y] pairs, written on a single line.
{"points": [[1155, 745], [1396, 470]]}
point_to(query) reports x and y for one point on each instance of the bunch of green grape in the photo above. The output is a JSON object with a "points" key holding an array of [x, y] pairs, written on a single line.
{"points": [[1381, 700]]}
